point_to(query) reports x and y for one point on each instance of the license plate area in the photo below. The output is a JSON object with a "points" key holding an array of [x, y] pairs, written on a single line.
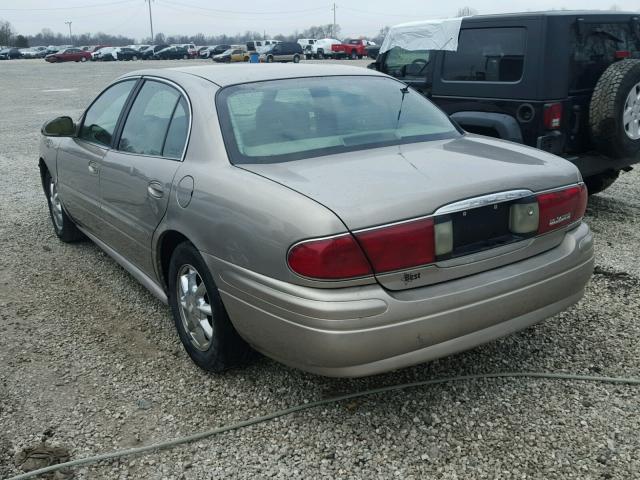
{"points": [[482, 228]]}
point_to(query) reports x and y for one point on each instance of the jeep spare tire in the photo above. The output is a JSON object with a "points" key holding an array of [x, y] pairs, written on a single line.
{"points": [[614, 113]]}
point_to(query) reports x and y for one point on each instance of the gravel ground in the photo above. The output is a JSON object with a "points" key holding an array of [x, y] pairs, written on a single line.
{"points": [[91, 362]]}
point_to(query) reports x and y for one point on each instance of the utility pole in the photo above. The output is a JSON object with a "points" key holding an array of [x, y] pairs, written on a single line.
{"points": [[333, 29], [150, 20], [70, 36]]}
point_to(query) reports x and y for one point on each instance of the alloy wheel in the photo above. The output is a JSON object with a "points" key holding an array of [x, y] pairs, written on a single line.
{"points": [[631, 113], [194, 306], [56, 206]]}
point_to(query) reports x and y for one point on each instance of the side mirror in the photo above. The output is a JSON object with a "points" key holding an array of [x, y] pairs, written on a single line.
{"points": [[374, 66], [59, 127]]}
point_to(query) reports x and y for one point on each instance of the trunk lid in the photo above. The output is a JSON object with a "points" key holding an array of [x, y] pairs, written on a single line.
{"points": [[380, 186]]}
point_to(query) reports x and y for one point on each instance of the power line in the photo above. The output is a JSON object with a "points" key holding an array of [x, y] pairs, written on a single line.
{"points": [[65, 8], [245, 12]]}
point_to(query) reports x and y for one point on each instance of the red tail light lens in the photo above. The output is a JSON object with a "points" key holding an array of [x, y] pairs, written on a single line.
{"points": [[399, 246], [333, 258], [561, 208], [552, 116]]}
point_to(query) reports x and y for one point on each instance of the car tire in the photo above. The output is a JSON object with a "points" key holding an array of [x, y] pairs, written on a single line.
{"points": [[83, 59], [320, 54], [185, 57], [354, 55], [209, 339], [63, 226], [614, 112], [601, 181], [296, 58], [134, 58], [269, 59]]}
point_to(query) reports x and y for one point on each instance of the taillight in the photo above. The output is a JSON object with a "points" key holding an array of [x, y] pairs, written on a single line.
{"points": [[552, 115], [620, 54], [331, 258], [562, 207], [419, 242], [399, 246]]}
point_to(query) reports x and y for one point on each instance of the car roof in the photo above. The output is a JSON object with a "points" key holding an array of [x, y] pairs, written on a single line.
{"points": [[550, 13], [223, 75]]}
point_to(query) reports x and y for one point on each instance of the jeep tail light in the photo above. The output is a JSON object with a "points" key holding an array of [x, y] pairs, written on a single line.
{"points": [[403, 245], [561, 207], [332, 258], [620, 54], [552, 115]]}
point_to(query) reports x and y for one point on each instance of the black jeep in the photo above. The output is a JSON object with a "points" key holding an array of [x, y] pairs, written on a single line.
{"points": [[565, 82]]}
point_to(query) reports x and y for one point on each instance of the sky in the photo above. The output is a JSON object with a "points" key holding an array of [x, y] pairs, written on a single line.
{"points": [[356, 17]]}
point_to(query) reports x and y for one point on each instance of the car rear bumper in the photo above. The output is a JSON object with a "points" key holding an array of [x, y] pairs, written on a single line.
{"points": [[365, 330]]}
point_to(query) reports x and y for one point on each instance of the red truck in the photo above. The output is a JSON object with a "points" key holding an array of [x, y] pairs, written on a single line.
{"points": [[350, 48]]}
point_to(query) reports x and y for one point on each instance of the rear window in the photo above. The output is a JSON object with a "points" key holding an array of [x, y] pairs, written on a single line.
{"points": [[284, 120], [487, 55], [594, 47]]}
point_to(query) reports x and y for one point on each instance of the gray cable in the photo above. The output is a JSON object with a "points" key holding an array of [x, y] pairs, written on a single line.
{"points": [[317, 403]]}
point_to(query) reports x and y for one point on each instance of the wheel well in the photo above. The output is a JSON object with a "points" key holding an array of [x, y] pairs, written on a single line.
{"points": [[168, 243], [43, 172]]}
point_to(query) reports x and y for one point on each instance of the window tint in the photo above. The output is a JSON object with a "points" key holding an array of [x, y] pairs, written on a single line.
{"points": [[594, 46], [101, 118], [177, 133], [281, 120], [487, 55], [146, 126], [406, 63]]}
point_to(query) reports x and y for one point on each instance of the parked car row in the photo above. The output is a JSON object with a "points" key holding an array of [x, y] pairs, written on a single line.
{"points": [[268, 51]]}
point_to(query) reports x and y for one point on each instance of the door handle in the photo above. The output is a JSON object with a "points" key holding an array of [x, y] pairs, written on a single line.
{"points": [[155, 189], [94, 167]]}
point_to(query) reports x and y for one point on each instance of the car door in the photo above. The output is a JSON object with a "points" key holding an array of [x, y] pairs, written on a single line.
{"points": [[136, 177], [80, 157]]}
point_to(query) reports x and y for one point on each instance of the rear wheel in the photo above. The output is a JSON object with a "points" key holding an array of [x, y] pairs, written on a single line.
{"points": [[83, 59], [320, 54], [63, 226], [185, 57], [296, 58], [201, 320], [354, 55], [614, 112], [134, 58], [601, 181], [269, 59]]}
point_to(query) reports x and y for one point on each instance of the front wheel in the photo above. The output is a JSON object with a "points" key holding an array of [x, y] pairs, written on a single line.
{"points": [[296, 59], [185, 57], [269, 59], [200, 317], [63, 226], [134, 58], [354, 55], [320, 54], [83, 59]]}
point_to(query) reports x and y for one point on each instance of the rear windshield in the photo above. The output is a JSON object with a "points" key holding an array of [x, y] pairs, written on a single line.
{"points": [[594, 47], [487, 55], [283, 120]]}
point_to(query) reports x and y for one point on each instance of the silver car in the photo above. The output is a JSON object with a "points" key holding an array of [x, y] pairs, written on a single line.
{"points": [[329, 217]]}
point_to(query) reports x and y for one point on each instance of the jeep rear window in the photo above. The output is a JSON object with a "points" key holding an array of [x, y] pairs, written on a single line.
{"points": [[283, 120], [594, 47], [487, 55]]}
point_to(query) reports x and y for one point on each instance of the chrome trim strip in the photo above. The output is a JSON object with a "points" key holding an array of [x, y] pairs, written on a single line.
{"points": [[135, 272], [483, 201]]}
